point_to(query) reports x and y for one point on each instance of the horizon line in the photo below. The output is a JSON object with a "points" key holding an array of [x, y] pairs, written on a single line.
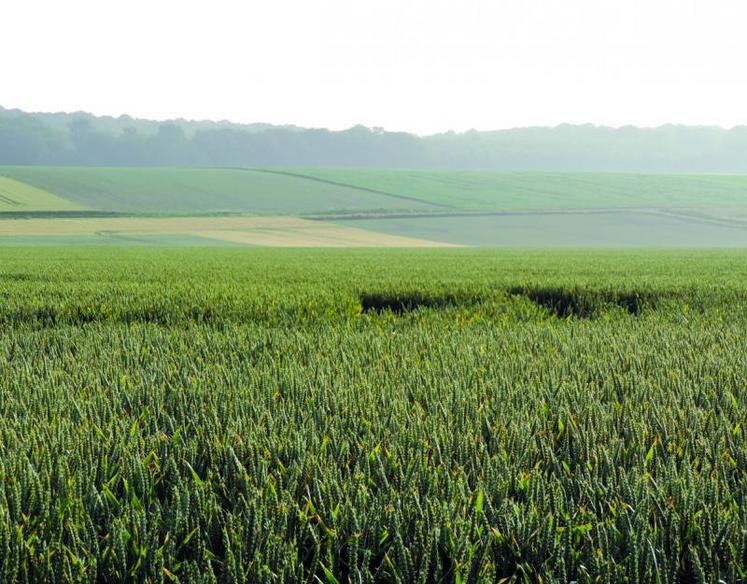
{"points": [[375, 128]]}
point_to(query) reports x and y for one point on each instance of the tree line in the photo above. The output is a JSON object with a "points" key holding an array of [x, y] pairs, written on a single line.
{"points": [[85, 140]]}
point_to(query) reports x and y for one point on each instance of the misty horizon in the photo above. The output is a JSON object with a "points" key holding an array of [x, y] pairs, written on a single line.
{"points": [[235, 122], [82, 139]]}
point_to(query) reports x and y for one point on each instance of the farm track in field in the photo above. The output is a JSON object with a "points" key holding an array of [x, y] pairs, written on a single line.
{"points": [[344, 184]]}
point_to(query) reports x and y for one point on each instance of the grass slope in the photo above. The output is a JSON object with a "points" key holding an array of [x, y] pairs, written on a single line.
{"points": [[479, 190], [154, 190], [19, 197], [311, 191], [539, 208]]}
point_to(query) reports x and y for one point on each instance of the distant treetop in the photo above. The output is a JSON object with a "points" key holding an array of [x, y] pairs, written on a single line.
{"points": [[82, 139]]}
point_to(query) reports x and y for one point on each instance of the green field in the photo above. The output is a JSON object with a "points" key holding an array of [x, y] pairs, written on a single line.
{"points": [[471, 208], [199, 191], [310, 191], [618, 229], [17, 196], [114, 240], [248, 415], [492, 190]]}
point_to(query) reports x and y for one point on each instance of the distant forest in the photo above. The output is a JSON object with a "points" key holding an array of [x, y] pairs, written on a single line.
{"points": [[81, 139]]}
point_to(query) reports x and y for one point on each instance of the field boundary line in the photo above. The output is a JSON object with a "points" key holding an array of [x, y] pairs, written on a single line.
{"points": [[348, 185], [486, 213]]}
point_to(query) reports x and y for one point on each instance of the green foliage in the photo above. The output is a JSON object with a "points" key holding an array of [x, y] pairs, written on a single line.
{"points": [[237, 416], [82, 139]]}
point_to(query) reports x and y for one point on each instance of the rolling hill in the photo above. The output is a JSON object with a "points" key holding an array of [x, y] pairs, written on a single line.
{"points": [[20, 196], [201, 191], [476, 208], [504, 191]]}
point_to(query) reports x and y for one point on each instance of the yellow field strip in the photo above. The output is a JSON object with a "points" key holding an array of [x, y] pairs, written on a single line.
{"points": [[260, 231]]}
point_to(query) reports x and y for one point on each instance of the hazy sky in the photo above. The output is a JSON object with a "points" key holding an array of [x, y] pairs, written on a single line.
{"points": [[416, 65]]}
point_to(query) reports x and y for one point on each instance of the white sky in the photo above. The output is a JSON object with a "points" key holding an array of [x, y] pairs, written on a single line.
{"points": [[415, 65]]}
